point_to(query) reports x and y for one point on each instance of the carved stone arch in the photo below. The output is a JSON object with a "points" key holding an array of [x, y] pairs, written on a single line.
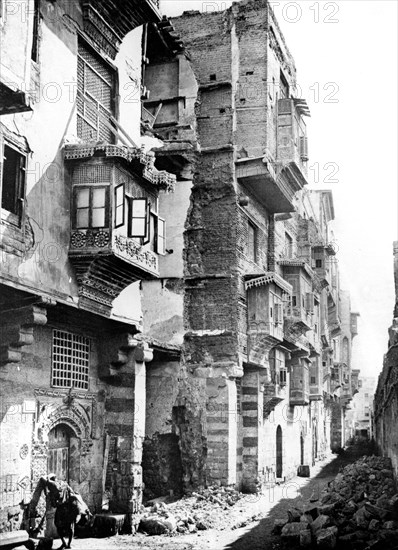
{"points": [[74, 416], [69, 422]]}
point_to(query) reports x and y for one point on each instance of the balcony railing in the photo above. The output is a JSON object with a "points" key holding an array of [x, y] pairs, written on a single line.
{"points": [[92, 242]]}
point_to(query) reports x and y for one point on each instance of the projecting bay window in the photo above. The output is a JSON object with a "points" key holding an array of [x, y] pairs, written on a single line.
{"points": [[13, 170], [91, 207]]}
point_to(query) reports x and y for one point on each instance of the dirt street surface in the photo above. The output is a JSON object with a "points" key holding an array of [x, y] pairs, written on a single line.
{"points": [[245, 526]]}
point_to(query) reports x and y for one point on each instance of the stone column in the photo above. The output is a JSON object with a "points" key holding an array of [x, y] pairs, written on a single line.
{"points": [[125, 418], [252, 417], [221, 420]]}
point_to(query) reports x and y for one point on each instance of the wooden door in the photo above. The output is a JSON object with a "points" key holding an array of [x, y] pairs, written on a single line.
{"points": [[58, 452]]}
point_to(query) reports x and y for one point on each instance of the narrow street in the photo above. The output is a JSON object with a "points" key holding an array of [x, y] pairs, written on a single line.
{"points": [[274, 504]]}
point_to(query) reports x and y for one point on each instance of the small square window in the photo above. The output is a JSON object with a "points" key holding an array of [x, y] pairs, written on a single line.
{"points": [[318, 263]]}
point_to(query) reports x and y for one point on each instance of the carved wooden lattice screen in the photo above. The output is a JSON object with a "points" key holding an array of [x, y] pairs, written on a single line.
{"points": [[95, 96]]}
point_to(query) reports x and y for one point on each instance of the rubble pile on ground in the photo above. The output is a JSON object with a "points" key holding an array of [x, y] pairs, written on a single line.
{"points": [[359, 510], [202, 510]]}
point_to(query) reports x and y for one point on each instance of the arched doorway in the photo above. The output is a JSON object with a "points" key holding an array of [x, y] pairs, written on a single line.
{"points": [[279, 451], [58, 454]]}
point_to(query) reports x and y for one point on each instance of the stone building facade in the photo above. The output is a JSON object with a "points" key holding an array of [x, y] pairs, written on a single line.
{"points": [[138, 360], [250, 288], [386, 397], [79, 224]]}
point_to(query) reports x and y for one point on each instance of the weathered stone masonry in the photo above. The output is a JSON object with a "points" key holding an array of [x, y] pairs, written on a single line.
{"points": [[386, 396], [245, 290]]}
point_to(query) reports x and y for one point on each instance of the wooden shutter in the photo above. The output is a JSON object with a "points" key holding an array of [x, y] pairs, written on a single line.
{"points": [[148, 224], [161, 236], [119, 205]]}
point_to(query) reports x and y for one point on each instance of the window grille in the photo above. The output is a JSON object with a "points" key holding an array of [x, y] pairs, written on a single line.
{"points": [[70, 360]]}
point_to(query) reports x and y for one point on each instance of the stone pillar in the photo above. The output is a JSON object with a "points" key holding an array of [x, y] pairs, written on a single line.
{"points": [[221, 420], [135, 473], [252, 417], [125, 418]]}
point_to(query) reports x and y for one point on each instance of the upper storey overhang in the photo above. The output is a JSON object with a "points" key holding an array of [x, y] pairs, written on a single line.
{"points": [[110, 21], [274, 184]]}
